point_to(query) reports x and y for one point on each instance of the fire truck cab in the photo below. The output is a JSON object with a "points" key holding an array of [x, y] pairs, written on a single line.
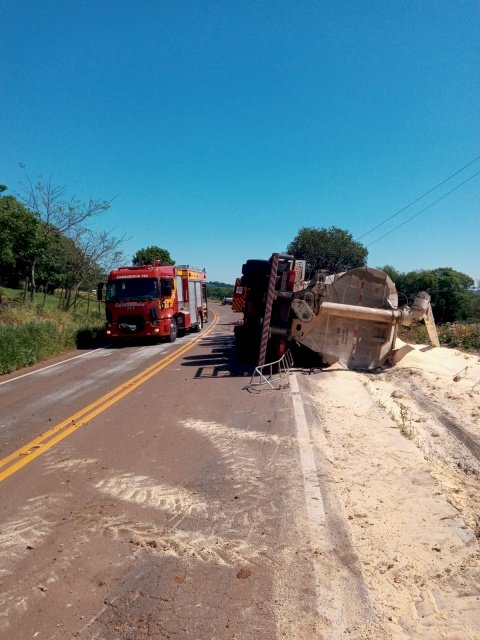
{"points": [[155, 301]]}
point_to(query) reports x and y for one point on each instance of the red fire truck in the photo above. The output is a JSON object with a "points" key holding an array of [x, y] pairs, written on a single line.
{"points": [[155, 301]]}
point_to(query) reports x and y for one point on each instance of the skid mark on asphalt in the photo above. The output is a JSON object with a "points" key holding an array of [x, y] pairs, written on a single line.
{"points": [[184, 544], [20, 535], [142, 490], [231, 434], [20, 538], [21, 594], [11, 602], [69, 464], [248, 476]]}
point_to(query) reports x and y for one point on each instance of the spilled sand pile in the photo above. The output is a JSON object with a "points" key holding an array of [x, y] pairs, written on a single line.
{"points": [[405, 462]]}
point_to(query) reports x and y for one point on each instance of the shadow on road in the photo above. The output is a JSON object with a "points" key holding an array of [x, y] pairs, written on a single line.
{"points": [[222, 360]]}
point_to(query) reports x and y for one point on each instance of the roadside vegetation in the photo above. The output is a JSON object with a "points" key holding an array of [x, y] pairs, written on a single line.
{"points": [[34, 330], [219, 290], [49, 260], [457, 335]]}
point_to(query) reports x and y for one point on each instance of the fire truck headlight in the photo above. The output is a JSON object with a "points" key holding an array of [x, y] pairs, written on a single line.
{"points": [[156, 330]]}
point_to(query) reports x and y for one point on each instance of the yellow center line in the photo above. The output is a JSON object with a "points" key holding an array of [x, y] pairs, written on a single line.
{"points": [[48, 439]]}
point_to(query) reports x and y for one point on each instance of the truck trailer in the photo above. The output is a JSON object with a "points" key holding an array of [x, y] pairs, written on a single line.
{"points": [[350, 317], [155, 301]]}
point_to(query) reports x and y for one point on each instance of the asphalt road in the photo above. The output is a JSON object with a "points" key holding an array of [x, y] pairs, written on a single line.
{"points": [[146, 494]]}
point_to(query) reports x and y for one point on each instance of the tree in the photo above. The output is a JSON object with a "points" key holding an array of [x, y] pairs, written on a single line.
{"points": [[331, 249], [48, 203], [56, 214], [50, 245], [394, 274], [20, 234], [150, 254], [219, 290], [449, 291], [87, 256]]}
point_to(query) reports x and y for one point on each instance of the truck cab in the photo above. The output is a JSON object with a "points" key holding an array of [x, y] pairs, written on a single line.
{"points": [[154, 301]]}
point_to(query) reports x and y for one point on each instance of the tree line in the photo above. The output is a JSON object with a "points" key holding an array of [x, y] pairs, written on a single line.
{"points": [[46, 245], [334, 250]]}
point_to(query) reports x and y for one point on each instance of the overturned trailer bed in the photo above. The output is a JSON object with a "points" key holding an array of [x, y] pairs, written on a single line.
{"points": [[351, 317]]}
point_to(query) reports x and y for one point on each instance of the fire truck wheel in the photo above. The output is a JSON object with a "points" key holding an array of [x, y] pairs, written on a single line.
{"points": [[172, 336], [199, 325]]}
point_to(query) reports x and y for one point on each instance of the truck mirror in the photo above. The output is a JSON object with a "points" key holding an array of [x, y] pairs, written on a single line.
{"points": [[100, 286]]}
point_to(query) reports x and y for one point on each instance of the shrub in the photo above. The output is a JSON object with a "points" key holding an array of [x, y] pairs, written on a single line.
{"points": [[24, 344], [30, 332], [458, 335]]}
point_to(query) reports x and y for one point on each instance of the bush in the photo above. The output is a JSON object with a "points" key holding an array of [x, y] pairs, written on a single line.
{"points": [[30, 332], [458, 335], [24, 344]]}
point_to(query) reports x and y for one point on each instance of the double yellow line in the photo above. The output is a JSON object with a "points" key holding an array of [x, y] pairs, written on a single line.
{"points": [[23, 456]]}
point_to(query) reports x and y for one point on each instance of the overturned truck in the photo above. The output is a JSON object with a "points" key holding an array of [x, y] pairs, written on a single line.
{"points": [[350, 317]]}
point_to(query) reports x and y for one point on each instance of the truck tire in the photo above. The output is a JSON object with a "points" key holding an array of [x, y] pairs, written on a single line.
{"points": [[172, 336], [255, 272], [199, 325]]}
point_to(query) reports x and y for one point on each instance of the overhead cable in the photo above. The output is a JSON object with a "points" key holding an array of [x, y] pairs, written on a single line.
{"points": [[427, 207], [417, 199]]}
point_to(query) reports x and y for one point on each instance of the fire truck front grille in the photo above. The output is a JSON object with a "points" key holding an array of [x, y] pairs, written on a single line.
{"points": [[131, 324]]}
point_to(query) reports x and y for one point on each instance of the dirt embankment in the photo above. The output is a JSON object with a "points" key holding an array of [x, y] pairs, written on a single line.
{"points": [[406, 464]]}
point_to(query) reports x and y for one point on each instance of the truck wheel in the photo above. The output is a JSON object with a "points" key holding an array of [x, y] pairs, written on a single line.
{"points": [[172, 336], [255, 273], [199, 325]]}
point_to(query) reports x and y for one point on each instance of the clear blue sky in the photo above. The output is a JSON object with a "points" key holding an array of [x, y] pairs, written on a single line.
{"points": [[223, 127]]}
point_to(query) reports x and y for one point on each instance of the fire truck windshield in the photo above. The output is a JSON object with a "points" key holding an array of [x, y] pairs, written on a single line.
{"points": [[132, 289]]}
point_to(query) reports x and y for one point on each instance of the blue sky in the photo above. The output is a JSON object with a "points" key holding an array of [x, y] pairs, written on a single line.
{"points": [[221, 128]]}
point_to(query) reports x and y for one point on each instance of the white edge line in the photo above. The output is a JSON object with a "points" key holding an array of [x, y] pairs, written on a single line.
{"points": [[313, 495], [50, 366], [316, 512], [192, 338]]}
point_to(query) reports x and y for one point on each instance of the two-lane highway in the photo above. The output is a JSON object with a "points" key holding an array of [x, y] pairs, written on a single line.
{"points": [[35, 398], [146, 494]]}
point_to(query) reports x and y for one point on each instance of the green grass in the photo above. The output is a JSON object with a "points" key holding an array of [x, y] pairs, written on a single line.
{"points": [[31, 332]]}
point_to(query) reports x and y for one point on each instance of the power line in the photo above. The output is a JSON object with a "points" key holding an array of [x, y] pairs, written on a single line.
{"points": [[417, 199], [427, 207]]}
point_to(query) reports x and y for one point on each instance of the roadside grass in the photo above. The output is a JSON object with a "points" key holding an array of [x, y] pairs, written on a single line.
{"points": [[31, 332]]}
